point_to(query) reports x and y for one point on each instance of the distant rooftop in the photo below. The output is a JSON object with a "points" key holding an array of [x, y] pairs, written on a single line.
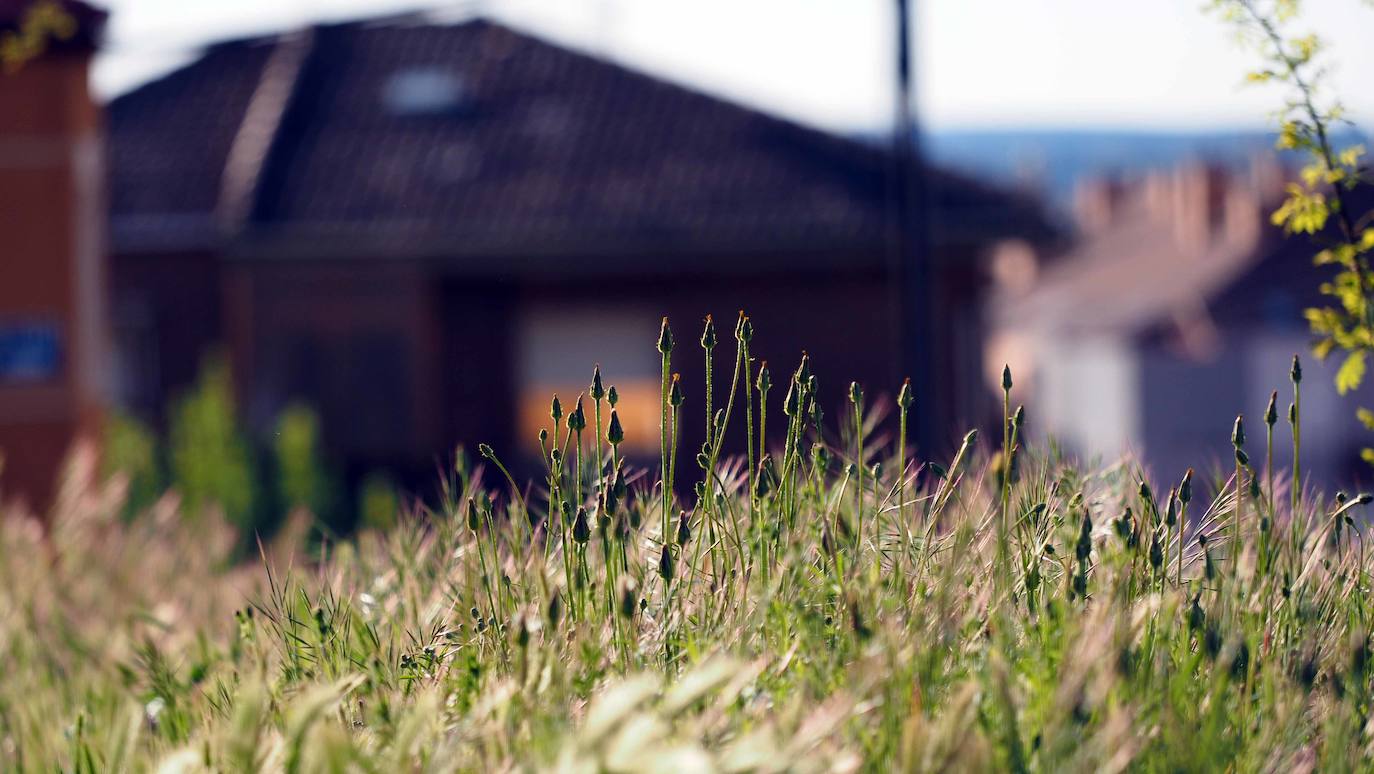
{"points": [[407, 135]]}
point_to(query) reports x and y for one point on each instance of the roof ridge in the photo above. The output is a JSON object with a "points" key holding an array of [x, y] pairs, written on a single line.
{"points": [[257, 133]]}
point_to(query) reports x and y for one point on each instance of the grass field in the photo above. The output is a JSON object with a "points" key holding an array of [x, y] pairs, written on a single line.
{"points": [[826, 604]]}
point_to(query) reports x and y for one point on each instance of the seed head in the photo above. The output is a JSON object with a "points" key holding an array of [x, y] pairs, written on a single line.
{"points": [[1295, 373], [598, 391], [665, 338], [485, 451], [1271, 412], [675, 397], [708, 335], [904, 398], [1006, 378]]}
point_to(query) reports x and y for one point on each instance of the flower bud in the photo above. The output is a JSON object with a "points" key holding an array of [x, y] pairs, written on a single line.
{"points": [[582, 531], [764, 383], [1238, 432], [615, 433], [708, 335], [612, 397], [1156, 552], [1185, 488], [577, 420], [598, 391], [684, 528], [904, 398], [665, 338], [665, 564], [1271, 412], [556, 410], [474, 521], [675, 397], [1083, 549], [555, 609], [1006, 378], [744, 329], [1295, 373], [628, 592], [856, 394]]}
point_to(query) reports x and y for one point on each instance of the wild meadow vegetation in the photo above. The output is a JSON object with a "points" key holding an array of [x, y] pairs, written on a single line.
{"points": [[827, 602]]}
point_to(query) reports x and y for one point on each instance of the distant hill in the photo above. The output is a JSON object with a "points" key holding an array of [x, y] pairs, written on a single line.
{"points": [[1051, 161]]}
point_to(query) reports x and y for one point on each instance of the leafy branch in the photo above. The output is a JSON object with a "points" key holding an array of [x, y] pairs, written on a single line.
{"points": [[1319, 203]]}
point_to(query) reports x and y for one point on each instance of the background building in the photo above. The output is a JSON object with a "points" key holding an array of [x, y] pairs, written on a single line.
{"points": [[426, 229], [52, 249], [1179, 307]]}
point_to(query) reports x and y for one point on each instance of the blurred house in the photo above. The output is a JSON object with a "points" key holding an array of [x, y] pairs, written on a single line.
{"points": [[1180, 307], [52, 278], [425, 229]]}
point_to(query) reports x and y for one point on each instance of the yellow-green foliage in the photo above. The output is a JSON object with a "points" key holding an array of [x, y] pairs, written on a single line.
{"points": [[210, 459]]}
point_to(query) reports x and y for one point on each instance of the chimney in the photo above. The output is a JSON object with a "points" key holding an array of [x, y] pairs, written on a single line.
{"points": [[52, 253]]}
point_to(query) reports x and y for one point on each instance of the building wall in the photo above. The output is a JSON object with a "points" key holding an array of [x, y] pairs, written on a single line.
{"points": [[1190, 407], [361, 342], [165, 318], [51, 257], [1086, 395]]}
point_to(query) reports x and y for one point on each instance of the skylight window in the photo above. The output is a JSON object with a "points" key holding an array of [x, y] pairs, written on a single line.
{"points": [[424, 91]]}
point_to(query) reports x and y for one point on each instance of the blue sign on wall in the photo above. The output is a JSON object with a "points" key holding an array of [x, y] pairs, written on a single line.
{"points": [[29, 351]]}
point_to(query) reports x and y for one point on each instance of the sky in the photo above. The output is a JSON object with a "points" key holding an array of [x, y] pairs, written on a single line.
{"points": [[1126, 64]]}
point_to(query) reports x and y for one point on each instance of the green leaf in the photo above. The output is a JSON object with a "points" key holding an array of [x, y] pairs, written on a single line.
{"points": [[1351, 372]]}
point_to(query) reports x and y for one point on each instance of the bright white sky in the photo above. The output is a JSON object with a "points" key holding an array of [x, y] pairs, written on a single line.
{"points": [[1144, 64]]}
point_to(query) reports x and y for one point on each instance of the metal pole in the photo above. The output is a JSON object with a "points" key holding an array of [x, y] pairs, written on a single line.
{"points": [[910, 279]]}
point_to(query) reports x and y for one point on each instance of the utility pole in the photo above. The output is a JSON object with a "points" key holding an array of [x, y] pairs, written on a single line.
{"points": [[909, 276]]}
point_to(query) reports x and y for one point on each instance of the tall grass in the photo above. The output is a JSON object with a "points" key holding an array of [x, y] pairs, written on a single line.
{"points": [[1004, 609]]}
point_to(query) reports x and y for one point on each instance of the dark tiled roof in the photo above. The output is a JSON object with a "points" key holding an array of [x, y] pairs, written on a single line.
{"points": [[168, 144], [538, 145]]}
